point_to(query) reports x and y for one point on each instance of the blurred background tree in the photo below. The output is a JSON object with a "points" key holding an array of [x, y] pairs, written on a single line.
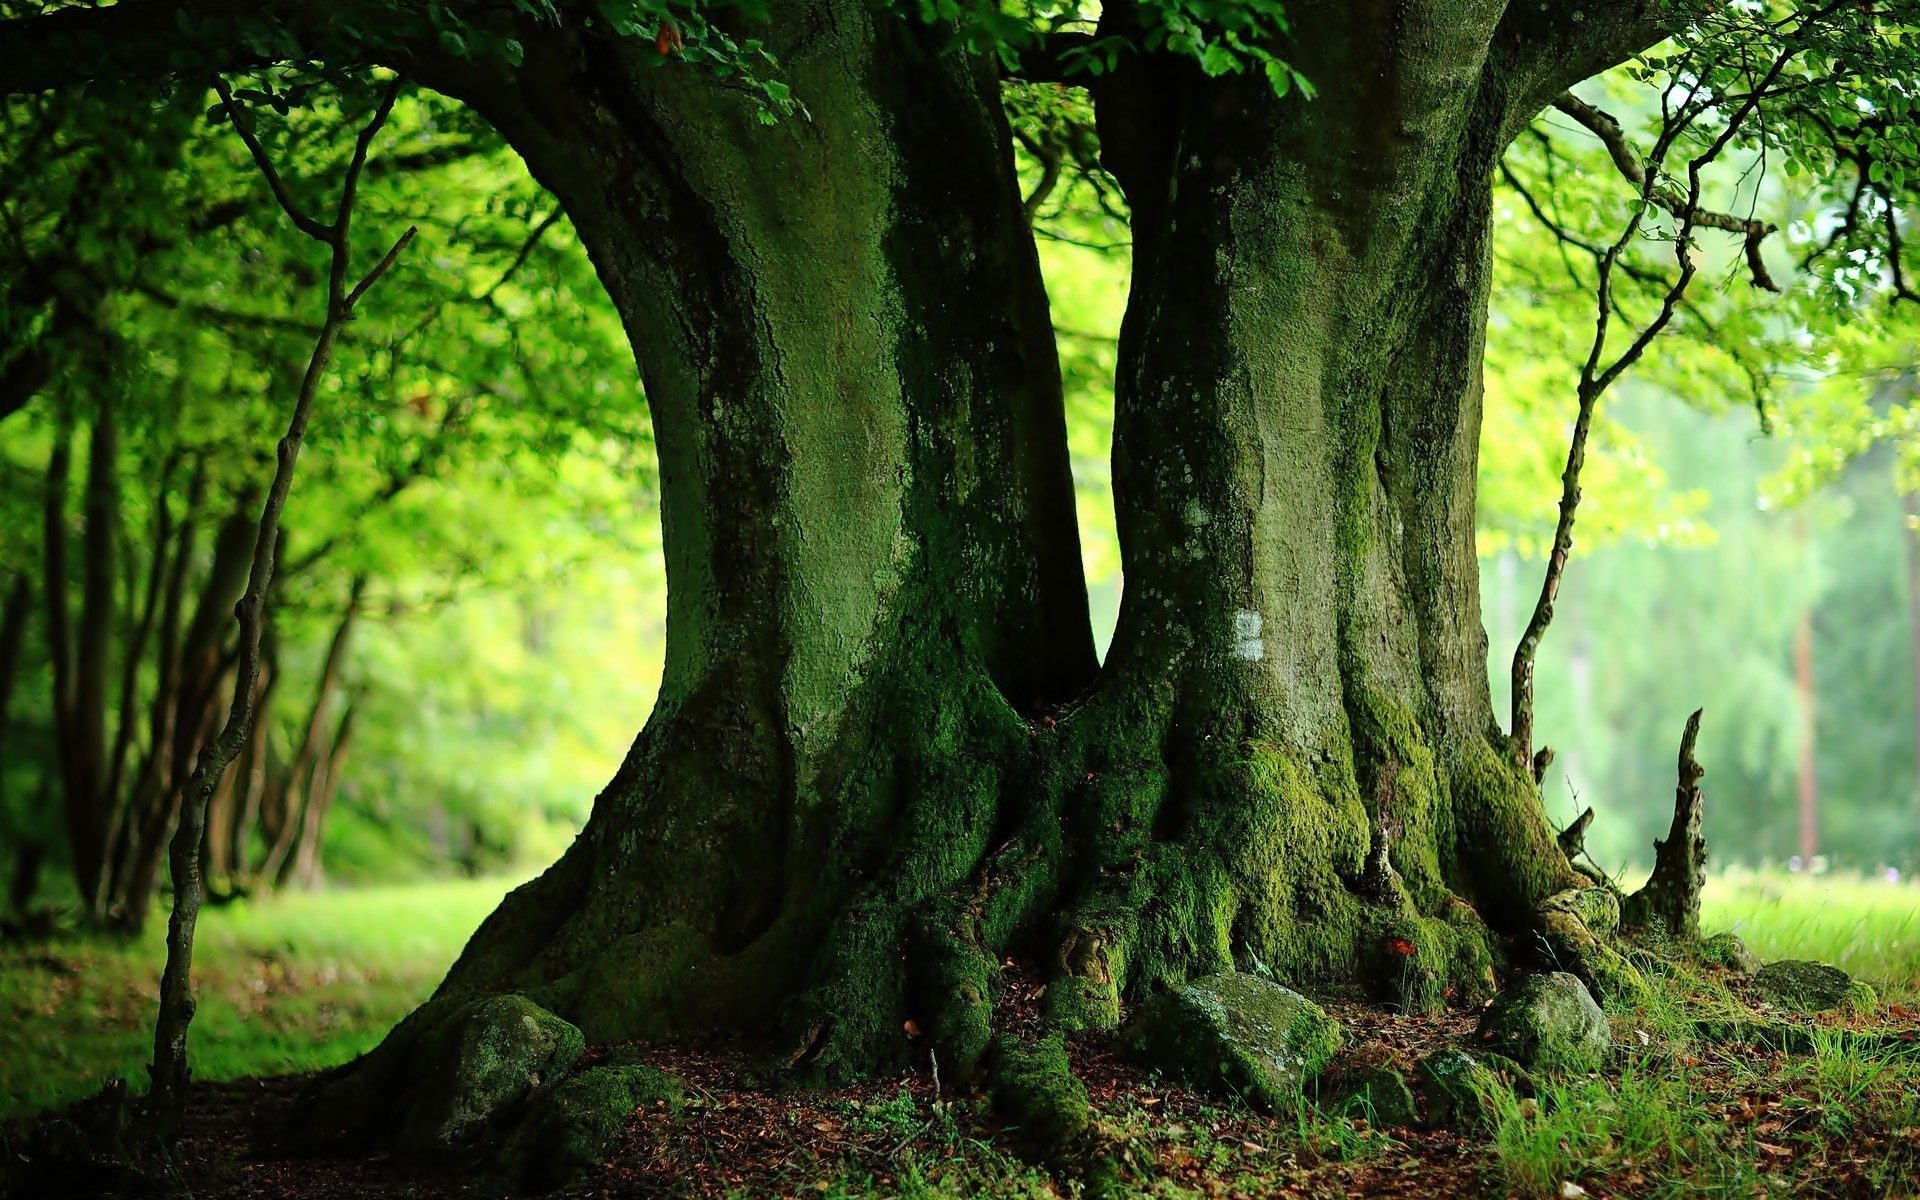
{"points": [[466, 626]]}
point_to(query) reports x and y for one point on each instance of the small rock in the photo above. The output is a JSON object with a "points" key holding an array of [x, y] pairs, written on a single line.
{"points": [[1546, 1021], [1461, 1089], [1728, 952], [483, 1060], [1806, 987], [1235, 1035], [1381, 1093]]}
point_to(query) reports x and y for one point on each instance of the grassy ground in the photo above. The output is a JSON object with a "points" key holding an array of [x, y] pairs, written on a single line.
{"points": [[296, 983], [1865, 926], [304, 982]]}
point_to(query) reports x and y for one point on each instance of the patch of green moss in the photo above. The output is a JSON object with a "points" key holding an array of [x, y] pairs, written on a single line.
{"points": [[565, 1137], [1514, 863], [1034, 1089], [1077, 1004]]}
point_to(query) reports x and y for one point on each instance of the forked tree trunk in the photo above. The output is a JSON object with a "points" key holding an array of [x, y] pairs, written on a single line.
{"points": [[880, 760]]}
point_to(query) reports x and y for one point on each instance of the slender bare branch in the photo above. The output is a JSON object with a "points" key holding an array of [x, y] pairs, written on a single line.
{"points": [[169, 1068], [1596, 378], [282, 195]]}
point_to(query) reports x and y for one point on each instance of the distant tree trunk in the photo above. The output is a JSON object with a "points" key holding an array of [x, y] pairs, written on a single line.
{"points": [[94, 641], [60, 651], [185, 712], [1807, 783], [305, 869], [14, 613], [24, 881], [156, 765], [29, 853], [82, 662], [307, 776], [1910, 535], [133, 655]]}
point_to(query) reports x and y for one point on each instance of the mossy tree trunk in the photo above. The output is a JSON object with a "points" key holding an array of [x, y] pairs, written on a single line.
{"points": [[1297, 765], [882, 758], [873, 570]]}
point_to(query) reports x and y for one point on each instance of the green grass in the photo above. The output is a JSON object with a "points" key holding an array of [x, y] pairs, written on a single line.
{"points": [[1862, 925], [295, 983]]}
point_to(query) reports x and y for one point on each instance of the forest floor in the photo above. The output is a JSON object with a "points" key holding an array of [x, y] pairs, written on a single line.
{"points": [[297, 984]]}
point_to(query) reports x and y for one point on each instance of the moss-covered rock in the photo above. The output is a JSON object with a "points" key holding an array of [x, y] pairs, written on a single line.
{"points": [[480, 1063], [1034, 1089], [566, 1135], [1806, 987], [1235, 1035], [1380, 1093], [1729, 953], [1371, 1081], [1547, 1021], [1461, 1090]]}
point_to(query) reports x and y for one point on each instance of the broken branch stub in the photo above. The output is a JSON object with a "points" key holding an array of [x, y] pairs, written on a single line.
{"points": [[1670, 901]]}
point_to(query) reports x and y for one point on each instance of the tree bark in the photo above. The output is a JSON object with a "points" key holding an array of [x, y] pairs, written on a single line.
{"points": [[880, 760], [305, 868], [30, 852], [184, 714], [1295, 442], [1910, 538], [1806, 775], [13, 635], [867, 509]]}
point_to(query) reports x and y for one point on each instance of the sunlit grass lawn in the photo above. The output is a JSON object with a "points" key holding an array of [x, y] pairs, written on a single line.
{"points": [[295, 983], [1864, 925]]}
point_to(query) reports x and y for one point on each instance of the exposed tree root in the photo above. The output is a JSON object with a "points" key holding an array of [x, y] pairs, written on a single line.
{"points": [[1378, 869]]}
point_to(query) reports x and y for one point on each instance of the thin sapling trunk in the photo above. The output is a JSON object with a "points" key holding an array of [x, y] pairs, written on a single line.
{"points": [[169, 1069]]}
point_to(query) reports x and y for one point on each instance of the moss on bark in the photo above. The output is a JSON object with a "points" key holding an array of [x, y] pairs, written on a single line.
{"points": [[881, 764]]}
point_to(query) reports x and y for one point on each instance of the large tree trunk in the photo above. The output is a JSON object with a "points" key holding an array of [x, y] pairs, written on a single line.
{"points": [[867, 519], [880, 761], [1297, 692]]}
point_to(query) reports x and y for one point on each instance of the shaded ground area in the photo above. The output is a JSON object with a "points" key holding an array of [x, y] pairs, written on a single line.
{"points": [[1667, 1118]]}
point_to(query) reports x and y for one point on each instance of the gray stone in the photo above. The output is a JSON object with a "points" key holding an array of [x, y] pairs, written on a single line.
{"points": [[1235, 1035], [482, 1061], [1546, 1021]]}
